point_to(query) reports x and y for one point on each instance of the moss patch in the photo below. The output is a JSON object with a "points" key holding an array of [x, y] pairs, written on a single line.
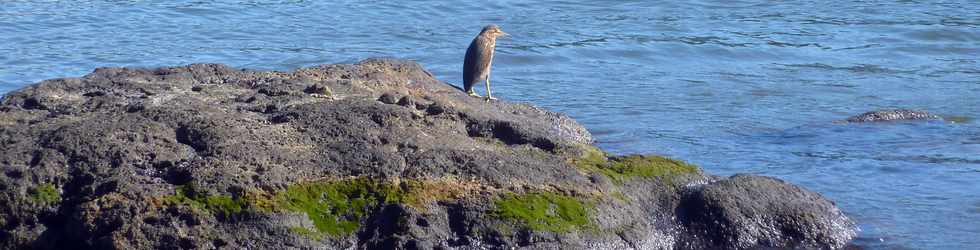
{"points": [[339, 207], [623, 168], [45, 194], [219, 205], [336, 207], [545, 211]]}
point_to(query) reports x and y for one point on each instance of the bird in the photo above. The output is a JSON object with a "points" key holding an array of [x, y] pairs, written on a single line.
{"points": [[479, 56]]}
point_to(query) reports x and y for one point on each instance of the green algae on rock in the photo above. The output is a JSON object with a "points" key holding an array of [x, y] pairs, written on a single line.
{"points": [[623, 168], [545, 211], [220, 205], [337, 208], [45, 194]]}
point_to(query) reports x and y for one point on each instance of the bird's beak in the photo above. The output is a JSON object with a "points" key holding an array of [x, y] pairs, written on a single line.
{"points": [[504, 34]]}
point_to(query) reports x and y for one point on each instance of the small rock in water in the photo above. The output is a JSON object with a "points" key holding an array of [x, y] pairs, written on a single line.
{"points": [[893, 115]]}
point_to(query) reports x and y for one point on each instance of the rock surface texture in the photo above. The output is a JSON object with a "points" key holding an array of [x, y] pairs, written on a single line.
{"points": [[374, 155]]}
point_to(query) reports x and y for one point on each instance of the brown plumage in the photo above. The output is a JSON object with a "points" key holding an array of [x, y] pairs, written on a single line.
{"points": [[479, 57]]}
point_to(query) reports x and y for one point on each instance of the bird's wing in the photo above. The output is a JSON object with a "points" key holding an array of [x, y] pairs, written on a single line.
{"points": [[473, 64]]}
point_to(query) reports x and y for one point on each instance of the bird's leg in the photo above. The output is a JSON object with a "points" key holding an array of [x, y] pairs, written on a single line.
{"points": [[489, 95]]}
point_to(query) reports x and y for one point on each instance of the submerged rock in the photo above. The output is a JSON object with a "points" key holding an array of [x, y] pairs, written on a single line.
{"points": [[377, 154], [892, 115]]}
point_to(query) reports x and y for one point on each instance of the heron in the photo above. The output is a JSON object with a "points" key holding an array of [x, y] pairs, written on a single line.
{"points": [[479, 56]]}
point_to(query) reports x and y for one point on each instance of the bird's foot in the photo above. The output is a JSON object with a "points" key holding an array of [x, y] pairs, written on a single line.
{"points": [[490, 98], [473, 94]]}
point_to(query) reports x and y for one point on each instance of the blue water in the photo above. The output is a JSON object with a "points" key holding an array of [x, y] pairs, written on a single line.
{"points": [[734, 86]]}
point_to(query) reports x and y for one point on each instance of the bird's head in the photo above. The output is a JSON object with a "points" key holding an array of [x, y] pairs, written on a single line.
{"points": [[493, 31]]}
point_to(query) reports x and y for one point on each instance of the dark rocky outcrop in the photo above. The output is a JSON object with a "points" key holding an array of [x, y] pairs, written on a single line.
{"points": [[377, 154], [891, 115], [744, 211]]}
